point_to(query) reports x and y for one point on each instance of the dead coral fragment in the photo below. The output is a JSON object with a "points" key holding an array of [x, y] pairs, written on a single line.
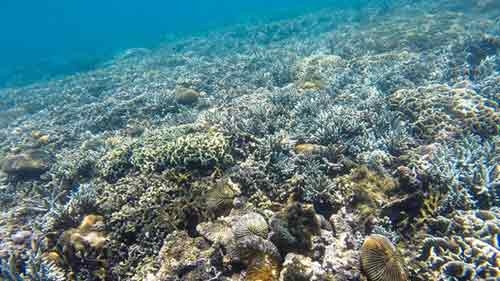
{"points": [[381, 261]]}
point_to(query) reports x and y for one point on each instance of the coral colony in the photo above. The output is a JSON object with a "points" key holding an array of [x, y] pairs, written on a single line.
{"points": [[340, 145]]}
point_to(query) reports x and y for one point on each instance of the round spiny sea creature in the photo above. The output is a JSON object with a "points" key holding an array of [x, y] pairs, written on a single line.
{"points": [[250, 224], [381, 261]]}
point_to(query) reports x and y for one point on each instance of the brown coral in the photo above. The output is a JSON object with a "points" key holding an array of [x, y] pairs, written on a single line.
{"points": [[381, 261], [263, 268], [186, 96]]}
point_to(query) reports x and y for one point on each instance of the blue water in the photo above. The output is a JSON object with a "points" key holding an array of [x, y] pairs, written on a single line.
{"points": [[41, 39]]}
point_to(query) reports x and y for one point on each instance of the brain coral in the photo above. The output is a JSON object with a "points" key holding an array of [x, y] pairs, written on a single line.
{"points": [[439, 111]]}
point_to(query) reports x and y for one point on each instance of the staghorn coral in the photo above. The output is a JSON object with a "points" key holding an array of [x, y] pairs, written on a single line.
{"points": [[83, 199], [298, 101], [116, 161], [74, 252], [36, 266], [467, 170], [73, 166], [143, 209]]}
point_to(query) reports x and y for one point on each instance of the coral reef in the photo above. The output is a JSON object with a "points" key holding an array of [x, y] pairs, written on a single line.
{"points": [[346, 144]]}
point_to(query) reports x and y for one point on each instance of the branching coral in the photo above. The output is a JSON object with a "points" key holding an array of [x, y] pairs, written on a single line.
{"points": [[315, 72], [326, 107], [468, 170]]}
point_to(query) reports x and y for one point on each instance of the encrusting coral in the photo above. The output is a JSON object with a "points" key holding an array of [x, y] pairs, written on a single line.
{"points": [[464, 247], [442, 112]]}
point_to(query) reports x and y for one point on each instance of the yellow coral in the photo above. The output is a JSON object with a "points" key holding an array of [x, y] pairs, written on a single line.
{"points": [[310, 149], [263, 268]]}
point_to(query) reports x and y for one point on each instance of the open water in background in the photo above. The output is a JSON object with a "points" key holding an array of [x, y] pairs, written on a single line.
{"points": [[41, 39]]}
